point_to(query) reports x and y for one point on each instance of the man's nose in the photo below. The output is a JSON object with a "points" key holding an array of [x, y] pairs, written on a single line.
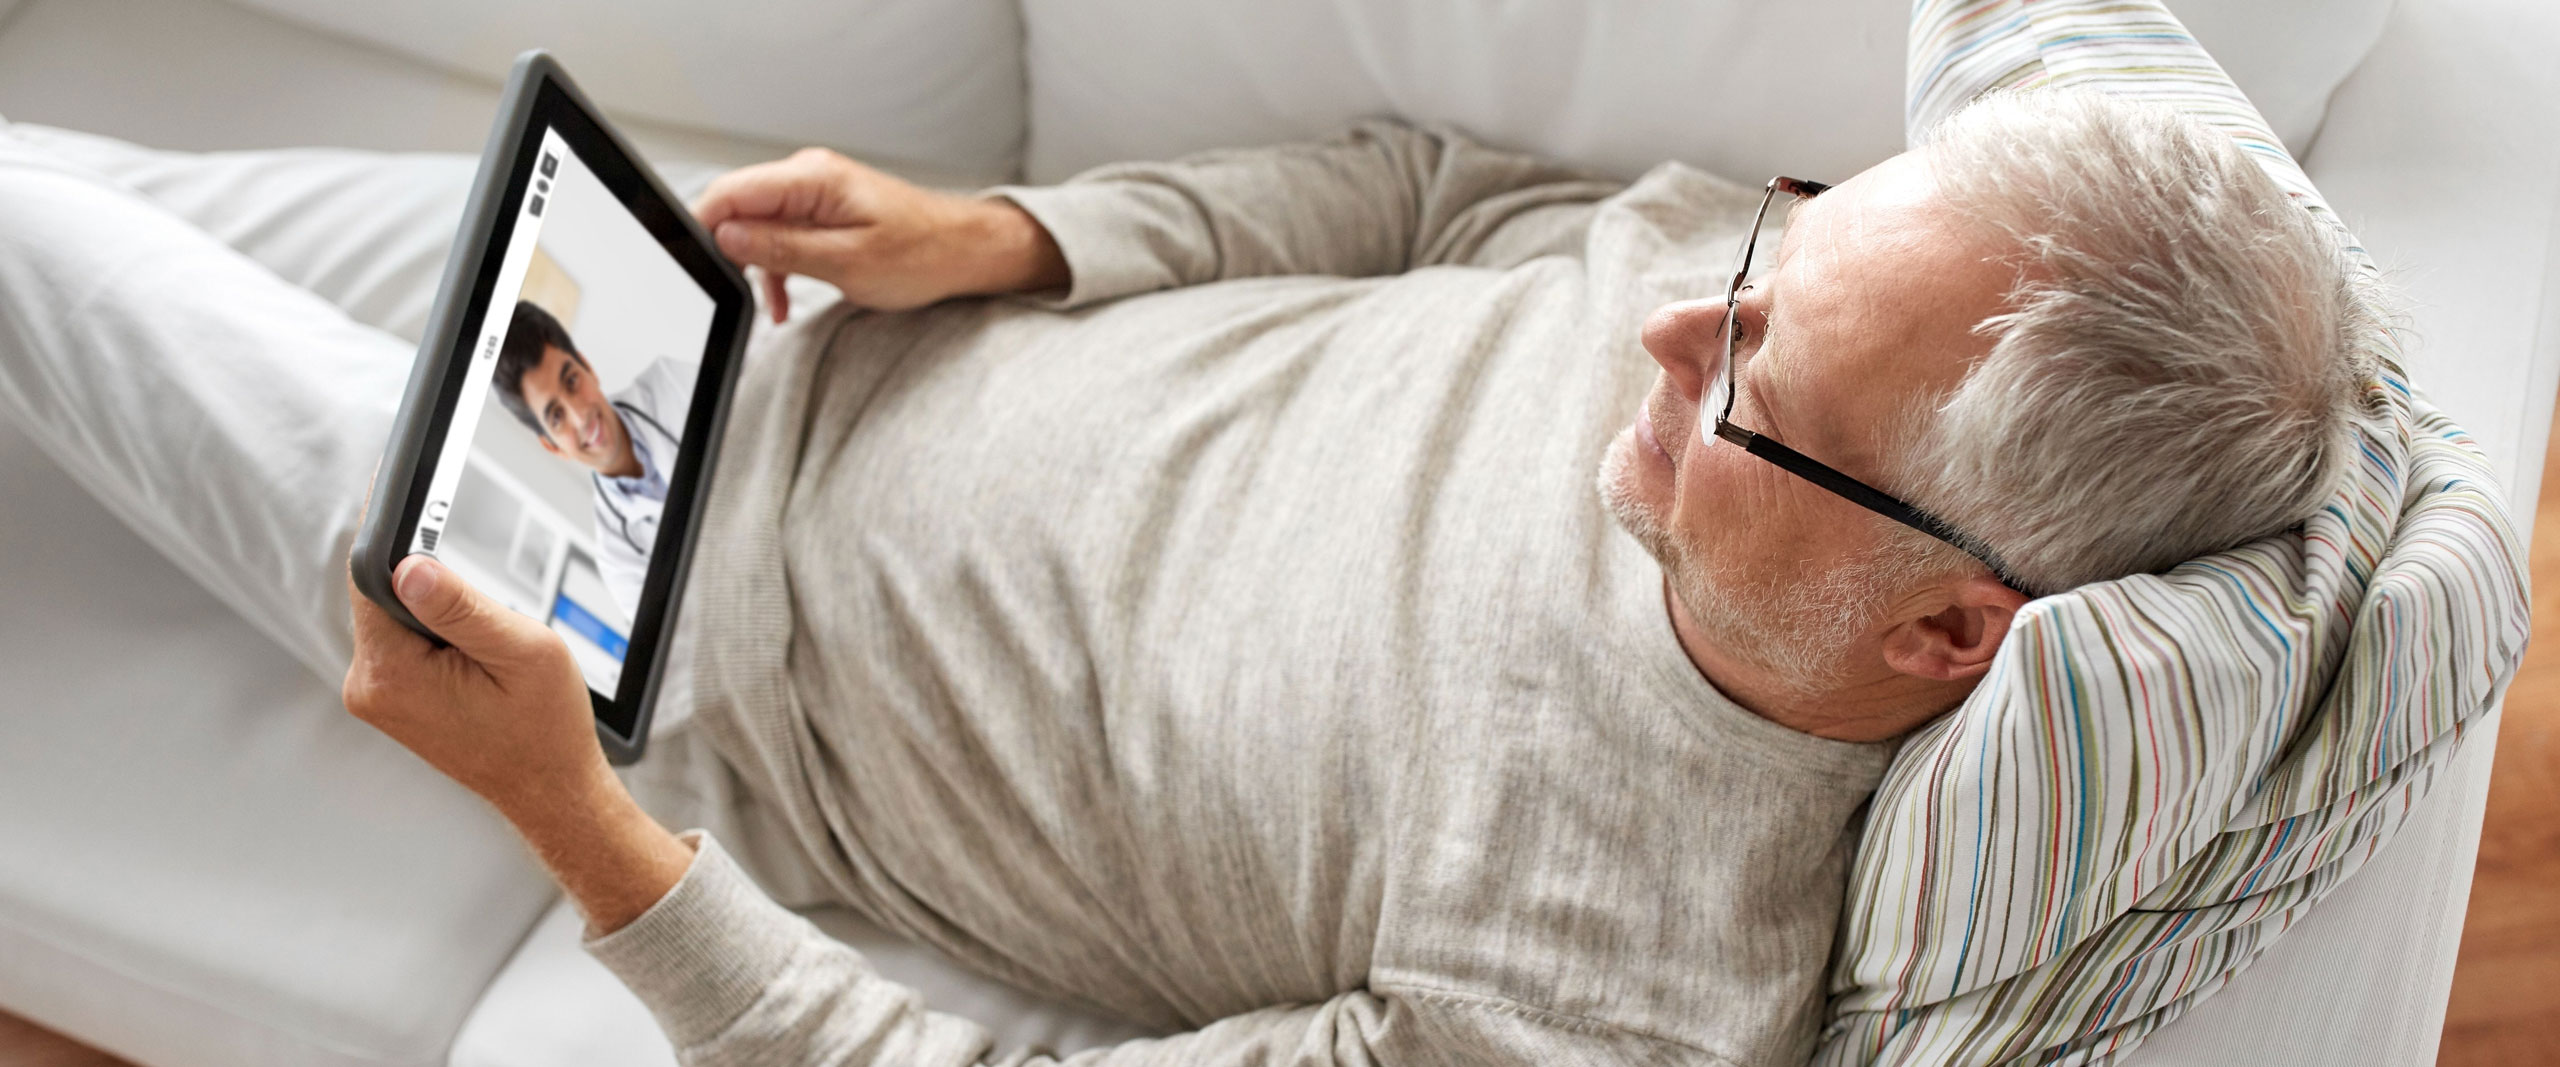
{"points": [[1687, 338]]}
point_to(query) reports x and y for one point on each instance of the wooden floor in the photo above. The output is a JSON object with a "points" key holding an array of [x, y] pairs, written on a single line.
{"points": [[2505, 1010], [2506, 986], [23, 1045]]}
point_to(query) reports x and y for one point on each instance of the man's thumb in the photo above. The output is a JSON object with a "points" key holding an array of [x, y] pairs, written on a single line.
{"points": [[461, 615]]}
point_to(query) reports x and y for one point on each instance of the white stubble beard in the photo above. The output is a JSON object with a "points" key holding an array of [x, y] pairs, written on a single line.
{"points": [[1797, 632]]}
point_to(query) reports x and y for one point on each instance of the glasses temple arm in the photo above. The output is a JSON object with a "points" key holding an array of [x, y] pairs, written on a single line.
{"points": [[1863, 495]]}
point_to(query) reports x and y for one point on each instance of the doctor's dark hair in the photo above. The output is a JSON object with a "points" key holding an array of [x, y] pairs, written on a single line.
{"points": [[531, 331]]}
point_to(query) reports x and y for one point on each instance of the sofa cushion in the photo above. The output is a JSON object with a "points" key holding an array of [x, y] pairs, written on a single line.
{"points": [[224, 77], [208, 861], [1739, 89], [925, 86]]}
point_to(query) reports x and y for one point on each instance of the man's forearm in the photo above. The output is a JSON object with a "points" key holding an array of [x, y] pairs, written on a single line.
{"points": [[609, 856], [1381, 199]]}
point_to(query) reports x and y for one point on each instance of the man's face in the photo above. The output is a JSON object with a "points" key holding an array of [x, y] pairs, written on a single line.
{"points": [[1866, 308], [577, 421]]}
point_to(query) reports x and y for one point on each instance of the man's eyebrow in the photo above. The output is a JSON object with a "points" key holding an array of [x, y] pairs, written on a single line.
{"points": [[1757, 386], [1772, 329], [1772, 316], [1787, 233]]}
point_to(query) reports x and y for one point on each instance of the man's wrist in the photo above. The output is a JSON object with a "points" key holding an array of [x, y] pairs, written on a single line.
{"points": [[608, 856], [1024, 257]]}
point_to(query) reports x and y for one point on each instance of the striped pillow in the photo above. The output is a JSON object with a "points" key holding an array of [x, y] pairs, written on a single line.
{"points": [[2162, 772]]}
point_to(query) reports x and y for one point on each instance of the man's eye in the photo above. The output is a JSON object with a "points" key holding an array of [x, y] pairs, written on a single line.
{"points": [[1750, 323]]}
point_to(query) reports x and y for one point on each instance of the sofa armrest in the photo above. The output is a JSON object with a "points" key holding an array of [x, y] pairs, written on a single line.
{"points": [[2443, 152]]}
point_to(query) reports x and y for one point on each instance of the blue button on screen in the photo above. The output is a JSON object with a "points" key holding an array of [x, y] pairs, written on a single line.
{"points": [[584, 623]]}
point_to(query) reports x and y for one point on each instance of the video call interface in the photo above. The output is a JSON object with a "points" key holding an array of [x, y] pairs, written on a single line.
{"points": [[555, 467]]}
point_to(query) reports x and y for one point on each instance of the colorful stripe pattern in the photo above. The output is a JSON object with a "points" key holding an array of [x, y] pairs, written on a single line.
{"points": [[2161, 773]]}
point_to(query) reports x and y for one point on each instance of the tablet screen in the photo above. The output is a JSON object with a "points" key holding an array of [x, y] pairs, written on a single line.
{"points": [[559, 457]]}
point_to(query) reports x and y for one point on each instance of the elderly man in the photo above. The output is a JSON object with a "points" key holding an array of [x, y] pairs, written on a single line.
{"points": [[1252, 655], [1222, 630]]}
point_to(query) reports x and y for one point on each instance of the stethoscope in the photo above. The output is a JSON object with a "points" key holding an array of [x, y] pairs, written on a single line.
{"points": [[621, 520]]}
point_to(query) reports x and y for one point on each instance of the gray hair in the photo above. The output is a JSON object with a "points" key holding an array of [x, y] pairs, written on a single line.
{"points": [[2184, 356]]}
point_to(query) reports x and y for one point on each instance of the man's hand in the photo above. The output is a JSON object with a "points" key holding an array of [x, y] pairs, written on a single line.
{"points": [[504, 712], [887, 244]]}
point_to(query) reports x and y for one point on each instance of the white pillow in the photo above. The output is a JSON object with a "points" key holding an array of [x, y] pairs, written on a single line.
{"points": [[1744, 90], [932, 86]]}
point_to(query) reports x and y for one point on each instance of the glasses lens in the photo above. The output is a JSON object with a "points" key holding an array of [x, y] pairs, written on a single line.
{"points": [[1718, 401]]}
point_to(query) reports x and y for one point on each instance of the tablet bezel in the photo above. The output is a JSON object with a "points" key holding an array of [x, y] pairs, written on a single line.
{"points": [[540, 96]]}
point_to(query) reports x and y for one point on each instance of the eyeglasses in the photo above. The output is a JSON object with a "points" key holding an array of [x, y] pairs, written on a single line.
{"points": [[1719, 399]]}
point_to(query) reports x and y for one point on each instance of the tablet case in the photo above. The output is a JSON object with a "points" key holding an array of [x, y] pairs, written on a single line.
{"points": [[381, 541]]}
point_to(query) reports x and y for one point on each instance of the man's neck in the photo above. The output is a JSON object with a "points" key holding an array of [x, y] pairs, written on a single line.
{"points": [[628, 465], [1876, 706]]}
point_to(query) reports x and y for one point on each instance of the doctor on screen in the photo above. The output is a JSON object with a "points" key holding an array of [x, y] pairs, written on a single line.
{"points": [[627, 441]]}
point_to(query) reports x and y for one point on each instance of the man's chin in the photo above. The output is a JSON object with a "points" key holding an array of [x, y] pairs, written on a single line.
{"points": [[1622, 493], [1782, 630]]}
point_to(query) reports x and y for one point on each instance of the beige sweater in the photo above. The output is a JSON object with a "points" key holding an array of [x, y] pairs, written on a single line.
{"points": [[1250, 658]]}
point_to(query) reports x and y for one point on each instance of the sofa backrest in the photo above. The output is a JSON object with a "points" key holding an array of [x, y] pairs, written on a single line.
{"points": [[927, 86], [955, 88], [1743, 89]]}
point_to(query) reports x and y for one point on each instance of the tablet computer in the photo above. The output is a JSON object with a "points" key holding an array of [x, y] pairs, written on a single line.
{"points": [[564, 414]]}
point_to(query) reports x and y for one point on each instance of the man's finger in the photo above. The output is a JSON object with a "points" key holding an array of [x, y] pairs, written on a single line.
{"points": [[777, 300], [465, 618], [784, 247], [801, 188], [757, 192]]}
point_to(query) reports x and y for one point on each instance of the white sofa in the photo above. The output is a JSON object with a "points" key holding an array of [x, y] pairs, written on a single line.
{"points": [[203, 862]]}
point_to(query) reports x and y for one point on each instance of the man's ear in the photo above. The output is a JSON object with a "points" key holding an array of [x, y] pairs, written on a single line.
{"points": [[1957, 639], [547, 446]]}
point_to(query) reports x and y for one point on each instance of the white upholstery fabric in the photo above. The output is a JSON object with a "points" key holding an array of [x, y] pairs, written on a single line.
{"points": [[1739, 89], [201, 75], [207, 862], [844, 73], [2444, 155]]}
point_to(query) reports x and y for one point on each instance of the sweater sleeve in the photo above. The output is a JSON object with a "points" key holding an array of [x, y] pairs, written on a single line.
{"points": [[735, 980], [1382, 198]]}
